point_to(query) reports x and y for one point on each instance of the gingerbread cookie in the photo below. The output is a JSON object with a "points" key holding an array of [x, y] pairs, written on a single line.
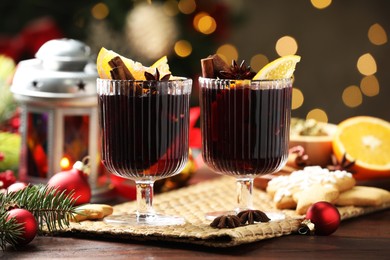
{"points": [[92, 212], [283, 188], [363, 196], [313, 194]]}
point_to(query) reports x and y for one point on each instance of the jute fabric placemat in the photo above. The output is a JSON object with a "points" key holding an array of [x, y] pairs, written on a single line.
{"points": [[192, 203]]}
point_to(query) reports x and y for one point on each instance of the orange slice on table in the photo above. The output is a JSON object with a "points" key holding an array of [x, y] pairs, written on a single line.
{"points": [[136, 68], [365, 140], [281, 68]]}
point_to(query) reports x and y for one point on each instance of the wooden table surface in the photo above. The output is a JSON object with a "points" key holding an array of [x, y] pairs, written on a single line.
{"points": [[359, 238]]}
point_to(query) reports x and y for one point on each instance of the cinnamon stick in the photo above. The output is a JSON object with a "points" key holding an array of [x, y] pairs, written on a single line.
{"points": [[219, 64], [207, 68], [124, 74]]}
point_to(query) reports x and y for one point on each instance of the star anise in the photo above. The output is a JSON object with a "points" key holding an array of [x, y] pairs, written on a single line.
{"points": [[150, 76], [226, 221], [344, 164], [237, 71], [251, 216]]}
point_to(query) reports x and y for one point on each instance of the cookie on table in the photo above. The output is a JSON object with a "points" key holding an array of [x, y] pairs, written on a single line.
{"points": [[363, 196], [283, 188], [313, 194], [92, 212]]}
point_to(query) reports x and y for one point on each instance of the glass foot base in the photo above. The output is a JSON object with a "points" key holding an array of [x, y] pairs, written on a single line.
{"points": [[134, 220], [274, 216]]}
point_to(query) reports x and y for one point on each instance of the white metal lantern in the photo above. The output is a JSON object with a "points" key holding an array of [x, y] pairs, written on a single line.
{"points": [[59, 124]]}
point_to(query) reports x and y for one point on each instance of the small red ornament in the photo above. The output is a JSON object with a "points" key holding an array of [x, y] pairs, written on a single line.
{"points": [[30, 225], [73, 180], [322, 218]]}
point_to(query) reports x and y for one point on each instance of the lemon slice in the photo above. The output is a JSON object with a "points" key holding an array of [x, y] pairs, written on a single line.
{"points": [[281, 68], [136, 68]]}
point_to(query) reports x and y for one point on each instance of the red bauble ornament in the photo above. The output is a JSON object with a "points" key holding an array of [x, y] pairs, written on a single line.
{"points": [[73, 180], [30, 225], [324, 216], [16, 186]]}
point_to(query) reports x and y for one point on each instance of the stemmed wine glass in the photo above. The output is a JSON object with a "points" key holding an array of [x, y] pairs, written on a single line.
{"points": [[144, 135], [245, 131]]}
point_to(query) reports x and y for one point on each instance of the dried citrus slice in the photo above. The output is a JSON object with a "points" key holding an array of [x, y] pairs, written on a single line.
{"points": [[281, 68], [136, 68], [365, 140]]}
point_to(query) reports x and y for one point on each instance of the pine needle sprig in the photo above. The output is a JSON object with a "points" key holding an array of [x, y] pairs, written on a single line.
{"points": [[51, 208], [10, 231]]}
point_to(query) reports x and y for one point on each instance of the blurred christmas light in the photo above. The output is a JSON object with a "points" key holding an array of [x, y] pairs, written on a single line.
{"points": [[286, 45], [151, 31], [183, 48], [366, 64], [171, 8], [377, 35], [187, 6], [258, 61], [228, 52], [369, 86], [317, 114], [64, 163], [321, 4], [352, 96], [204, 23], [100, 11], [297, 98]]}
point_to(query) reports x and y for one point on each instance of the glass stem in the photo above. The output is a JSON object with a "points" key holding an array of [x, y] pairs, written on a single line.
{"points": [[244, 194], [144, 199]]}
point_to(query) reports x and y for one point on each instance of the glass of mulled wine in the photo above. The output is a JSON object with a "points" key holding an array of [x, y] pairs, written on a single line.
{"points": [[245, 131], [144, 135]]}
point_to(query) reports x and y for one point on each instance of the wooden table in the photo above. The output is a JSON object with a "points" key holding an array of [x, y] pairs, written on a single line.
{"points": [[366, 237]]}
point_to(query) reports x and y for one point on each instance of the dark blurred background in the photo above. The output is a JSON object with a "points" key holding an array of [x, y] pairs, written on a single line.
{"points": [[345, 66]]}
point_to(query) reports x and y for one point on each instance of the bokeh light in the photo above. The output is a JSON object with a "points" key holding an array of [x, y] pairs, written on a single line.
{"points": [[366, 64], [352, 96], [187, 6], [258, 61], [100, 11], [171, 8], [377, 35], [317, 114], [204, 23], [297, 98], [321, 4], [369, 86], [183, 48], [228, 52], [286, 45]]}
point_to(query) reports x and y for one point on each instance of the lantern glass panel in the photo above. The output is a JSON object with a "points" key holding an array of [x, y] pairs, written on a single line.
{"points": [[76, 139], [37, 144]]}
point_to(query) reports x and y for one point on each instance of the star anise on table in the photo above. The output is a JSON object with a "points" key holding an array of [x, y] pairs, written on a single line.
{"points": [[344, 164], [237, 71], [251, 216], [226, 221], [150, 76]]}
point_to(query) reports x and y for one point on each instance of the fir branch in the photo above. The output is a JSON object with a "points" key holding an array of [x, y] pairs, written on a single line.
{"points": [[10, 230], [51, 208]]}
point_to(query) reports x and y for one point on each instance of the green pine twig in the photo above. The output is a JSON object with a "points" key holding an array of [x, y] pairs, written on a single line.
{"points": [[51, 208]]}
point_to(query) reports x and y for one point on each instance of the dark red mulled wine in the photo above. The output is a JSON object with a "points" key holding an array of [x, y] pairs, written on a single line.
{"points": [[245, 126], [144, 134]]}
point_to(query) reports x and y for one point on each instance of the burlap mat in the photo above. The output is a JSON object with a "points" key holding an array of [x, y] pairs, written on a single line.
{"points": [[192, 203]]}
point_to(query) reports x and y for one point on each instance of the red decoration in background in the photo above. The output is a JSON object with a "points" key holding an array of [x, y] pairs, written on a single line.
{"points": [[126, 188], [30, 39], [73, 180]]}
